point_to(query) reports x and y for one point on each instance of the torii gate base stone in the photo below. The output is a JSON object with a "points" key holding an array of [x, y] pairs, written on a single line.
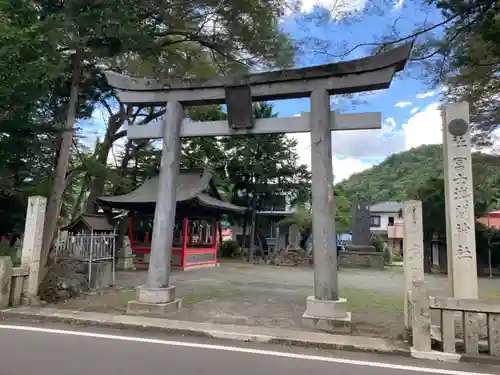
{"points": [[325, 309]]}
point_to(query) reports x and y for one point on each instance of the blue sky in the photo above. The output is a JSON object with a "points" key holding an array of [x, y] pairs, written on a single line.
{"points": [[409, 107]]}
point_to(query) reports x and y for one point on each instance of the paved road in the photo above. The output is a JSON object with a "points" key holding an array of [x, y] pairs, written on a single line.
{"points": [[54, 350]]}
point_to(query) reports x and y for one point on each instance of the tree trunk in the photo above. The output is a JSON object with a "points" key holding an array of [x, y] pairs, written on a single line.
{"points": [[252, 228], [98, 182], [59, 182], [427, 251], [220, 234], [244, 239], [79, 201], [261, 246]]}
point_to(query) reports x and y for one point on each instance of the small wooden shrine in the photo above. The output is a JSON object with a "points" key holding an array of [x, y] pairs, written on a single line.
{"points": [[198, 213], [90, 224]]}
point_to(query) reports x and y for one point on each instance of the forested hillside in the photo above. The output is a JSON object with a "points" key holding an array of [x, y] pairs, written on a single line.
{"points": [[400, 175]]}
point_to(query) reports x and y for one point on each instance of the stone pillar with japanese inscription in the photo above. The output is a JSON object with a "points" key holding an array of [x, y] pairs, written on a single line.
{"points": [[413, 253], [462, 268], [32, 246]]}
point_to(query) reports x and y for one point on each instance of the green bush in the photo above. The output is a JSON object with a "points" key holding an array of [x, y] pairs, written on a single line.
{"points": [[228, 249], [380, 247], [7, 251], [378, 243]]}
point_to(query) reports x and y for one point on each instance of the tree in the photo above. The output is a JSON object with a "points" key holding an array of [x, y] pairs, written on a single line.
{"points": [[461, 52], [262, 166], [431, 193], [468, 61], [79, 38], [27, 65], [84, 34], [193, 40], [343, 219], [394, 178], [303, 217]]}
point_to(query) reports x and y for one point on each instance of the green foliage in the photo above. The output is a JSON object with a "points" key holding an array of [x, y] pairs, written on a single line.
{"points": [[301, 217], [433, 207], [466, 59], [418, 174], [41, 43], [381, 247], [228, 249], [264, 165], [401, 175], [487, 238], [343, 210], [378, 243], [473, 61], [395, 176]]}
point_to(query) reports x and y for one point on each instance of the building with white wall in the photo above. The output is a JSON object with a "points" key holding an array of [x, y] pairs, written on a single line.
{"points": [[386, 220]]}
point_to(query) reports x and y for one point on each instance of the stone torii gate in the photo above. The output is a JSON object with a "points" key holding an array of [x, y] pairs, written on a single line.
{"points": [[325, 309]]}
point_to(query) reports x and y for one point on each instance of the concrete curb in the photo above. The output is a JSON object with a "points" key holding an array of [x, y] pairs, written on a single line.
{"points": [[209, 330]]}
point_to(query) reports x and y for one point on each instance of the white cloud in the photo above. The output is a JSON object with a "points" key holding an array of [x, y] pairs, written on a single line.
{"points": [[389, 125], [373, 143], [424, 128], [399, 4], [337, 8], [344, 168], [350, 149], [402, 104], [116, 150], [427, 94], [414, 110]]}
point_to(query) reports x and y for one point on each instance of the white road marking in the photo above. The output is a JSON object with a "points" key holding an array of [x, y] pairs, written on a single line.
{"points": [[241, 350]]}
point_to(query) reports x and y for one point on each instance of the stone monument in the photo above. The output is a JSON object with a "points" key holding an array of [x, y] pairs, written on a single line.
{"points": [[5, 281], [460, 219], [125, 259], [32, 246], [361, 235], [361, 253], [325, 309], [413, 252]]}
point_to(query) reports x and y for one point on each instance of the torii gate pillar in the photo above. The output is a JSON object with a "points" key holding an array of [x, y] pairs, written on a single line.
{"points": [[325, 310], [157, 296]]}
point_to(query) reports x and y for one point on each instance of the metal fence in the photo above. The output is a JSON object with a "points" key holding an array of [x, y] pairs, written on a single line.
{"points": [[90, 249]]}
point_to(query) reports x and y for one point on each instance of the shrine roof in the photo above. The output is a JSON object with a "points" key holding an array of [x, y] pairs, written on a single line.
{"points": [[96, 222], [192, 185], [388, 206]]}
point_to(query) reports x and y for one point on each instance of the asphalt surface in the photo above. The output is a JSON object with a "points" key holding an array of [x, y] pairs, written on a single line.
{"points": [[56, 349]]}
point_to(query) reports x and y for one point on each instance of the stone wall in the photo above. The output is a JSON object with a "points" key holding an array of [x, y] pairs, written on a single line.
{"points": [[361, 259], [13, 283], [65, 279]]}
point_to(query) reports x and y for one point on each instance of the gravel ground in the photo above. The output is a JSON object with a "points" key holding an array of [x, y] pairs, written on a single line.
{"points": [[270, 296]]}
